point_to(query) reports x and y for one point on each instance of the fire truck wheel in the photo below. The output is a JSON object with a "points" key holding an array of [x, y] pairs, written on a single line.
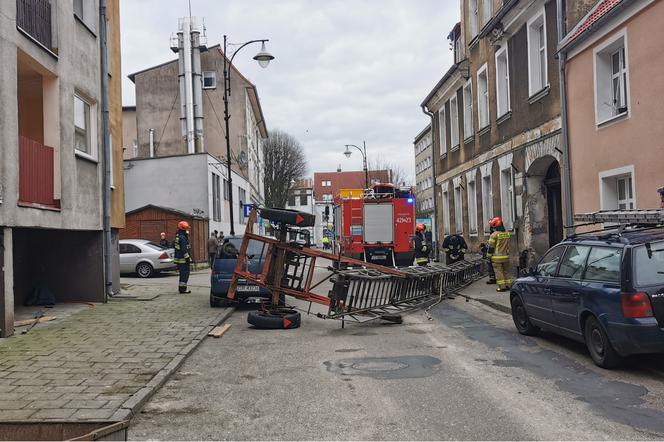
{"points": [[274, 319]]}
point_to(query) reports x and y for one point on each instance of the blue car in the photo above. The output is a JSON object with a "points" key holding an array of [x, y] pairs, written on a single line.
{"points": [[222, 273], [602, 289]]}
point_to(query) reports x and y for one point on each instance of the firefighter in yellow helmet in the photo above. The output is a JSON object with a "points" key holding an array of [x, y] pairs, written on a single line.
{"points": [[421, 246], [499, 253]]}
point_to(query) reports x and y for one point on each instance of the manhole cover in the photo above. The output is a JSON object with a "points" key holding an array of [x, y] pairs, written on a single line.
{"points": [[379, 366], [397, 367]]}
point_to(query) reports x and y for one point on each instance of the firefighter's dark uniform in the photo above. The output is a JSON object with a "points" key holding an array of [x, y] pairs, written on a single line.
{"points": [[454, 247], [421, 250], [499, 251], [182, 258]]}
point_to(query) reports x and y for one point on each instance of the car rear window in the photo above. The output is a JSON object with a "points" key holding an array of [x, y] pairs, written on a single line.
{"points": [[154, 246], [604, 264], [254, 249], [649, 264]]}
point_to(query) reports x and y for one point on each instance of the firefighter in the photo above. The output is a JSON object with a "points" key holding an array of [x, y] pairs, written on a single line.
{"points": [[421, 246], [182, 255], [499, 251], [326, 243], [454, 247]]}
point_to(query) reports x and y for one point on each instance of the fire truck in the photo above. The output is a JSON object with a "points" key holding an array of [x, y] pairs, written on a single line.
{"points": [[377, 226]]}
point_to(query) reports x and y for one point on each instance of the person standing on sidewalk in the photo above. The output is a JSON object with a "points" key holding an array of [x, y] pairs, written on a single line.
{"points": [[183, 255], [421, 246], [163, 241], [499, 253], [212, 246]]}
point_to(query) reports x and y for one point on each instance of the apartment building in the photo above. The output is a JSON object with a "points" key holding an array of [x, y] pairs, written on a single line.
{"points": [[424, 179]]}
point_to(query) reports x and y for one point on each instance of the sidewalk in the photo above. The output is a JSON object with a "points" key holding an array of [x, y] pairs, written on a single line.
{"points": [[102, 363], [482, 292]]}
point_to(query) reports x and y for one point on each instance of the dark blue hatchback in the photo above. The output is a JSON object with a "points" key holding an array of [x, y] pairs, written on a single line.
{"points": [[605, 290]]}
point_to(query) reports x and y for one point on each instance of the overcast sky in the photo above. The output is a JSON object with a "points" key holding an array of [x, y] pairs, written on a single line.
{"points": [[345, 70]]}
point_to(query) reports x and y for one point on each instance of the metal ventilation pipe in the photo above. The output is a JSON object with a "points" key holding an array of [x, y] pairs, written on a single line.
{"points": [[151, 143], [188, 84], [197, 86]]}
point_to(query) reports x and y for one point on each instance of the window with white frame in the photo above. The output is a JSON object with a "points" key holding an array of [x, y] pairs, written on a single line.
{"points": [[537, 63], [612, 79], [487, 10], [458, 209], [326, 183], [209, 80], [84, 127], [454, 122], [487, 201], [473, 17], [502, 82], [507, 198], [442, 131], [472, 206], [327, 197], [446, 212], [483, 97], [617, 189], [468, 109], [216, 198]]}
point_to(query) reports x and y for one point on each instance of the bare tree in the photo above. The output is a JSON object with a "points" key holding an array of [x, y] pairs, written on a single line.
{"points": [[284, 163], [397, 173]]}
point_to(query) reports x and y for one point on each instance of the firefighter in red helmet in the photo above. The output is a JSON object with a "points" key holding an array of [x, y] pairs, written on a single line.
{"points": [[183, 255], [421, 246], [499, 253]]}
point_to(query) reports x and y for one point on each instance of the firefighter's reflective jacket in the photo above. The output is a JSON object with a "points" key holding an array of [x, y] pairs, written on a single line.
{"points": [[182, 248], [499, 245], [421, 248]]}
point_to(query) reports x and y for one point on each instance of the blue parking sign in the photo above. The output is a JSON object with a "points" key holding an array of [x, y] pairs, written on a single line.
{"points": [[247, 209]]}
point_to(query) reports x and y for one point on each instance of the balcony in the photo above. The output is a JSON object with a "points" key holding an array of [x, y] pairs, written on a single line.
{"points": [[36, 175], [33, 17]]}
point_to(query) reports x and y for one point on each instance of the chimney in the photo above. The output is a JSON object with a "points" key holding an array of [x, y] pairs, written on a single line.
{"points": [[339, 168]]}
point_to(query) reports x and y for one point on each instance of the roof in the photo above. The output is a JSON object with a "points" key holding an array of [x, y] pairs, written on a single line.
{"points": [[424, 131], [498, 17], [595, 17], [441, 82], [166, 209]]}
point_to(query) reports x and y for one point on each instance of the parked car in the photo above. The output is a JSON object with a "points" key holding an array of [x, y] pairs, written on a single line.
{"points": [[224, 267], [603, 289], [144, 257]]}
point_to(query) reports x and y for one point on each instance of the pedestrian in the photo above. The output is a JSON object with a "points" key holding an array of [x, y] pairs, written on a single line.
{"points": [[421, 246], [183, 255], [212, 246], [499, 253], [163, 241], [454, 247], [661, 197]]}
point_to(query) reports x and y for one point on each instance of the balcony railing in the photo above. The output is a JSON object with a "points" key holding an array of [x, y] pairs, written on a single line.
{"points": [[34, 18], [35, 174]]}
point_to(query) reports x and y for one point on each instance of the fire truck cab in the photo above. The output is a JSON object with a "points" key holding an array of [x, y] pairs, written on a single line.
{"points": [[377, 226]]}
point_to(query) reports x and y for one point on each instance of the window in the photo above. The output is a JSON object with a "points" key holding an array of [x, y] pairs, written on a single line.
{"points": [[209, 80], [327, 197], [487, 10], [216, 198], [473, 16], [537, 63], [446, 212], [483, 97], [227, 193], [612, 80], [83, 133], [574, 262], [85, 11], [472, 206], [487, 201], [625, 195], [304, 200], [617, 189], [443, 131], [134, 148], [604, 264], [507, 198], [129, 248], [468, 110], [549, 263], [502, 82], [458, 210], [648, 264], [326, 183], [454, 122]]}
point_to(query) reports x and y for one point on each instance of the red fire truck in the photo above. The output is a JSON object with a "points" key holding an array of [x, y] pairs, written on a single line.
{"points": [[377, 227]]}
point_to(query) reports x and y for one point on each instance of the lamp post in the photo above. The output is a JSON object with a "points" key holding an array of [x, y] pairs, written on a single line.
{"points": [[363, 151], [263, 58]]}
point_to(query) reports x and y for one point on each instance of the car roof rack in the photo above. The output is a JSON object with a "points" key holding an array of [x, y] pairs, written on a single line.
{"points": [[620, 220]]}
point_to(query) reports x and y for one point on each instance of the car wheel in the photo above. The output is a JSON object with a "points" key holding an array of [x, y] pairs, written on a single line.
{"points": [[521, 319], [599, 346], [144, 270], [275, 319]]}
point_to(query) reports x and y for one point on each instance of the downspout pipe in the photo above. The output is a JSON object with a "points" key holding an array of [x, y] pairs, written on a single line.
{"points": [[564, 128], [434, 234], [106, 149]]}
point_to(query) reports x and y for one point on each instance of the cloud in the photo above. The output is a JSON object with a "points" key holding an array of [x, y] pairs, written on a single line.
{"points": [[345, 71]]}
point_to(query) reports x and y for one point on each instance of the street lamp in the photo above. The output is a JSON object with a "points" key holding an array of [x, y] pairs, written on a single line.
{"points": [[263, 58], [363, 151]]}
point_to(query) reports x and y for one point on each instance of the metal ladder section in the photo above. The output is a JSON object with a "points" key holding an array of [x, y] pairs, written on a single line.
{"points": [[639, 216], [366, 294]]}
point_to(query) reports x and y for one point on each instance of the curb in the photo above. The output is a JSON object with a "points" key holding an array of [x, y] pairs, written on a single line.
{"points": [[493, 305], [132, 405]]}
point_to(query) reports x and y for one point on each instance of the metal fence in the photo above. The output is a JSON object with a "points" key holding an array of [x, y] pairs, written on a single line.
{"points": [[34, 18]]}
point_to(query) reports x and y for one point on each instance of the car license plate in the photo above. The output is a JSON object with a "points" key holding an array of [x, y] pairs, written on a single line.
{"points": [[376, 257], [247, 288]]}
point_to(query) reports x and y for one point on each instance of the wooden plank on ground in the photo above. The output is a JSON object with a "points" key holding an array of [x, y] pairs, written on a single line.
{"points": [[218, 332], [25, 322]]}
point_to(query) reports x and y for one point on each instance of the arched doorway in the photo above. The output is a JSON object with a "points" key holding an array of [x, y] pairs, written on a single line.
{"points": [[554, 203]]}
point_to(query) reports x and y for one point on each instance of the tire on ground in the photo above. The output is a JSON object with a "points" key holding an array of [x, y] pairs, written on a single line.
{"points": [[276, 319]]}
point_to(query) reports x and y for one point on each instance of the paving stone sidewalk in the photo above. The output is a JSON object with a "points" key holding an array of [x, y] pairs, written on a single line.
{"points": [[105, 362]]}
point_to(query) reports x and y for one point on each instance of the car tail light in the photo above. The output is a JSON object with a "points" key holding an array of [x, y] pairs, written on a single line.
{"points": [[163, 255], [636, 305]]}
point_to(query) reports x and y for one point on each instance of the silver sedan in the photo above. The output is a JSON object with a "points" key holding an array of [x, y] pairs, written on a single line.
{"points": [[144, 257]]}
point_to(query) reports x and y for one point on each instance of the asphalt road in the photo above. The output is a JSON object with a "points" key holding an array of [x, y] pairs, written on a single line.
{"points": [[464, 374]]}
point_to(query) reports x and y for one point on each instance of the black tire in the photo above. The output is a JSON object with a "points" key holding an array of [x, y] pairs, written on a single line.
{"points": [[275, 319], [289, 217], [144, 270], [521, 319], [217, 301], [599, 346]]}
